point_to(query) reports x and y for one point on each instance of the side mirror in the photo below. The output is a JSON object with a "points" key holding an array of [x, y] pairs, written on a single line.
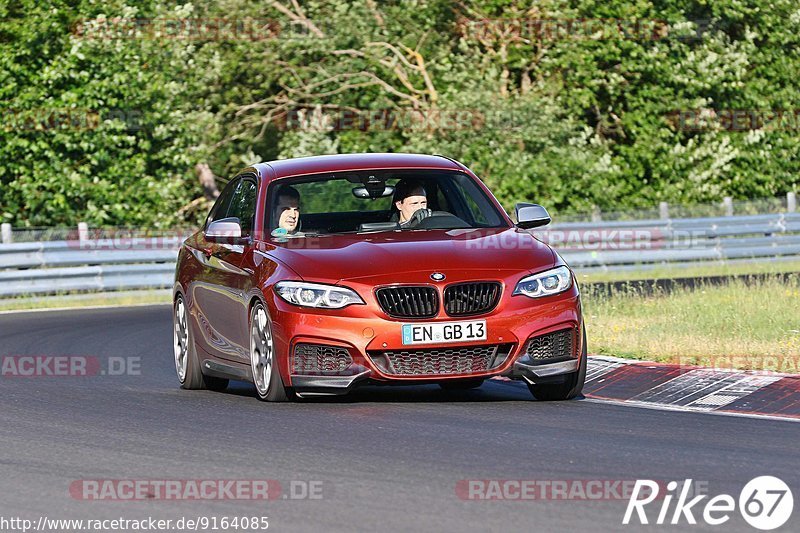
{"points": [[226, 231], [531, 216]]}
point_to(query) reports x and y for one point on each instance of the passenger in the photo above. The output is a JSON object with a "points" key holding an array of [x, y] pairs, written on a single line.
{"points": [[287, 209]]}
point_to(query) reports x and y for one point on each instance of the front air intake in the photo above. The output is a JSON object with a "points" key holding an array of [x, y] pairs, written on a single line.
{"points": [[320, 359], [441, 361], [556, 345]]}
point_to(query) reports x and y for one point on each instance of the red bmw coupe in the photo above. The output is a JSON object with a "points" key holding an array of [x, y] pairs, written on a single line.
{"points": [[315, 275]]}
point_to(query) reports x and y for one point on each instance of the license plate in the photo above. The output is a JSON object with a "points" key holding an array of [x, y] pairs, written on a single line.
{"points": [[440, 332]]}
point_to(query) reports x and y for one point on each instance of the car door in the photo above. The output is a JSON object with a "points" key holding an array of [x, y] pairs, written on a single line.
{"points": [[221, 291]]}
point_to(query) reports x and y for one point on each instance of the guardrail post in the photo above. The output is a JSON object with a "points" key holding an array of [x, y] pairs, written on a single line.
{"points": [[83, 231], [8, 237], [663, 210], [596, 214], [727, 202], [791, 202]]}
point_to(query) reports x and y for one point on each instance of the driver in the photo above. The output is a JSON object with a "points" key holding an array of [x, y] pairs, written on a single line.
{"points": [[287, 209], [411, 202]]}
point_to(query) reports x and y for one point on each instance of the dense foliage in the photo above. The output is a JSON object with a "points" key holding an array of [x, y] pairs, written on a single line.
{"points": [[107, 106]]}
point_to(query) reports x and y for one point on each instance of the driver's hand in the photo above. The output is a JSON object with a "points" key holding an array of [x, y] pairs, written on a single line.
{"points": [[419, 215]]}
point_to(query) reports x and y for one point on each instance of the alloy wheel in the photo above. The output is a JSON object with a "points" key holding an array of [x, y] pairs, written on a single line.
{"points": [[261, 350], [180, 339]]}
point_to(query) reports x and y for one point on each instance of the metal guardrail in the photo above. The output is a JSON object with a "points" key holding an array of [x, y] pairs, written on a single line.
{"points": [[87, 278], [31, 268], [647, 244], [84, 265]]}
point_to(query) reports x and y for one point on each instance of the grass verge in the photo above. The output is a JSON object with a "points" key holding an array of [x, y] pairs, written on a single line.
{"points": [[85, 300], [700, 270], [740, 325]]}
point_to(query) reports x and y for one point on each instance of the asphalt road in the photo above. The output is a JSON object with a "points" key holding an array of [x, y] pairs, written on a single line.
{"points": [[388, 458]]}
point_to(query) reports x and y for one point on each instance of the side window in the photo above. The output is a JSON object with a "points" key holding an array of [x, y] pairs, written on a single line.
{"points": [[220, 208], [479, 208], [441, 202], [477, 215], [243, 205]]}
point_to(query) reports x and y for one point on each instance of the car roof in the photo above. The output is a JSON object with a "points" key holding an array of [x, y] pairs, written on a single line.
{"points": [[348, 162]]}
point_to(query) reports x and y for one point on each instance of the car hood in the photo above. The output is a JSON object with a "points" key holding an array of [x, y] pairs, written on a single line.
{"points": [[384, 255]]}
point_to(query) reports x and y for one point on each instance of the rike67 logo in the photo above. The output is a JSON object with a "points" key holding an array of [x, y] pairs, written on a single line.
{"points": [[765, 503]]}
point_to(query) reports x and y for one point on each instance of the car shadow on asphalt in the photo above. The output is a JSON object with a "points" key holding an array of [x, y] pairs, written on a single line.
{"points": [[490, 391]]}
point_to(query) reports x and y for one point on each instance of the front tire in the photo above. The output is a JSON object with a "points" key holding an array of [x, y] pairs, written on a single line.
{"points": [[570, 388], [187, 364], [263, 363]]}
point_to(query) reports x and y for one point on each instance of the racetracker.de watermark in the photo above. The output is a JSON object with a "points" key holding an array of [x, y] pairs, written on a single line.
{"points": [[754, 364], [71, 366], [315, 119], [125, 239], [734, 120], [592, 239], [194, 489], [526, 30], [70, 119], [195, 29], [549, 489]]}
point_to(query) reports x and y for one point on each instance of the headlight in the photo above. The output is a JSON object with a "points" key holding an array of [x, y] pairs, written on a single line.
{"points": [[545, 283], [316, 294]]}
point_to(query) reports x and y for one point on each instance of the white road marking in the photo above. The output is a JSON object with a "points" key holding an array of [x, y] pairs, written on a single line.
{"points": [[698, 389], [599, 366], [684, 409], [727, 395], [701, 390]]}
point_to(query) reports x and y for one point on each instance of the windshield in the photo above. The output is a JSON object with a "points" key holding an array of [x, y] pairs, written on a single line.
{"points": [[370, 201]]}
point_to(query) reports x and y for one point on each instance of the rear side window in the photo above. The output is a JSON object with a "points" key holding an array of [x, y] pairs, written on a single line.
{"points": [[220, 209], [243, 205]]}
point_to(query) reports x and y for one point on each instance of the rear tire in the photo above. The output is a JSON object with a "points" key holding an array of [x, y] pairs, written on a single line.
{"points": [[187, 364], [570, 388], [462, 384], [263, 362]]}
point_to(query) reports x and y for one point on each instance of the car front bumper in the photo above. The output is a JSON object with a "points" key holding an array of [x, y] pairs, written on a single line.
{"points": [[309, 385], [365, 335]]}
